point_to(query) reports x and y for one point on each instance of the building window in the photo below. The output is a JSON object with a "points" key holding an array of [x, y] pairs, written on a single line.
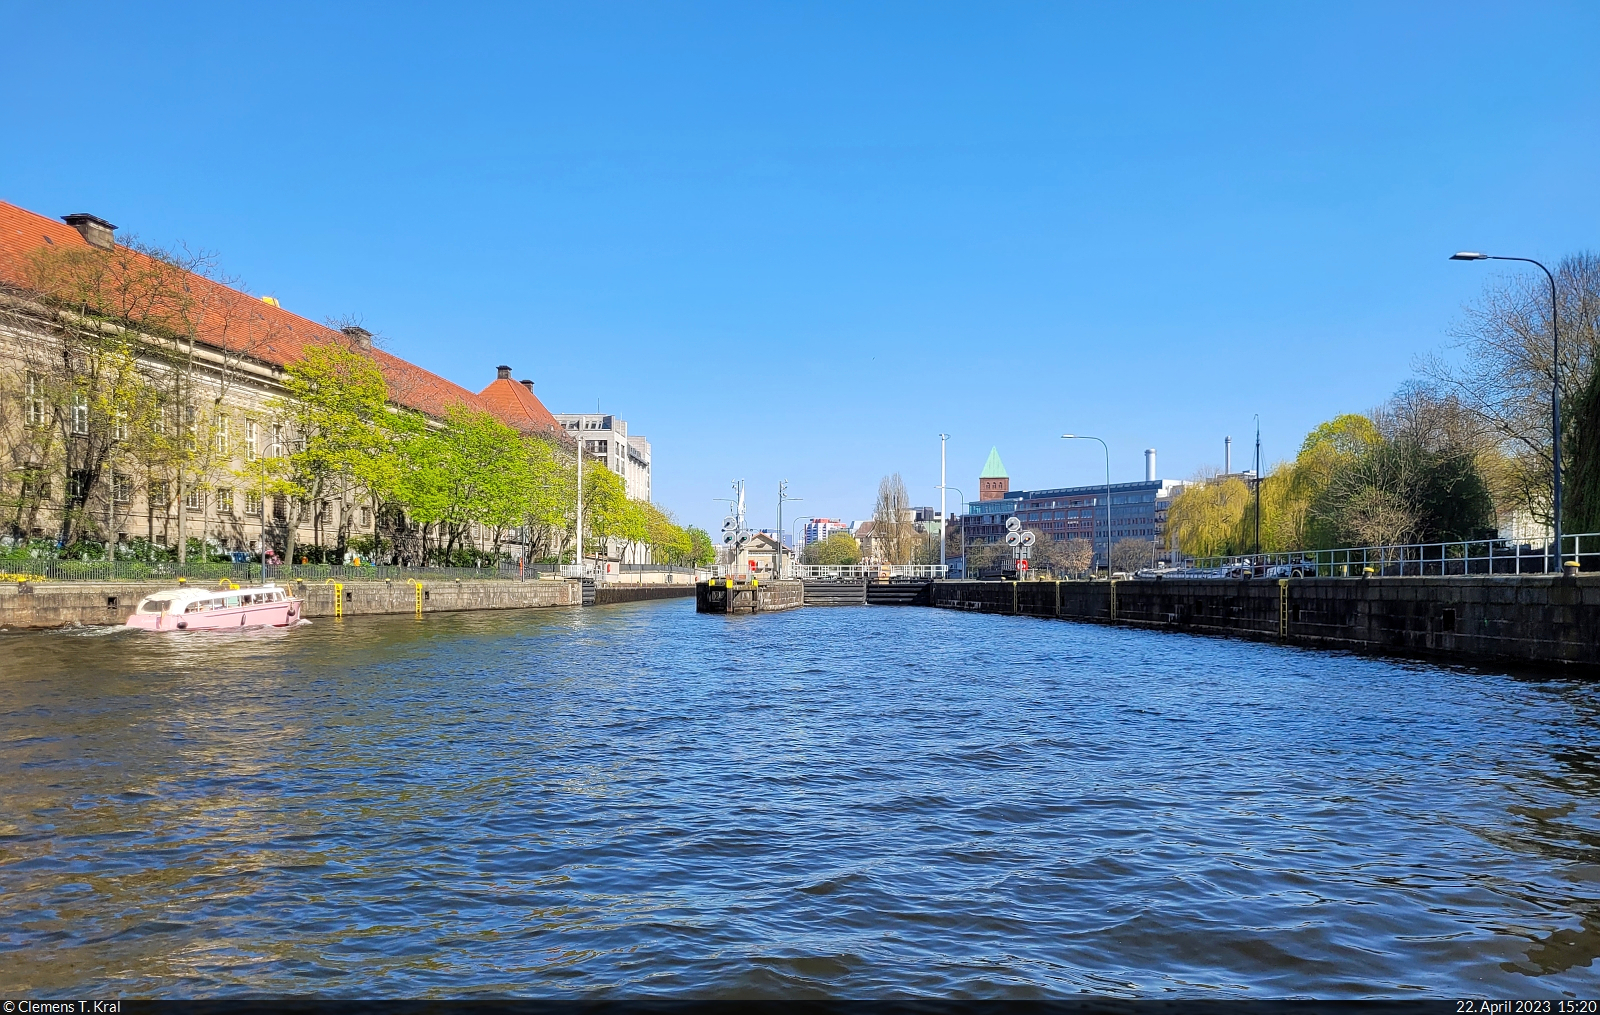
{"points": [[77, 488], [38, 408], [158, 495], [121, 487], [195, 499], [252, 503], [219, 434], [275, 449], [191, 426], [158, 422], [225, 500], [35, 483], [366, 517], [251, 435], [80, 413], [119, 425]]}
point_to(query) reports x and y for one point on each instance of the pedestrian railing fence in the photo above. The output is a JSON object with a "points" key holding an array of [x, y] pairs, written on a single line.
{"points": [[136, 570], [1462, 558]]}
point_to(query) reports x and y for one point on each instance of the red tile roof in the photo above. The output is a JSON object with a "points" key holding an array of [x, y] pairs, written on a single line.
{"points": [[519, 407], [240, 323]]}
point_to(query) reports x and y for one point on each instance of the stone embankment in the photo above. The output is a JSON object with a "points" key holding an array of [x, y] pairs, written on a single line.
{"points": [[61, 604], [42, 604], [1510, 619]]}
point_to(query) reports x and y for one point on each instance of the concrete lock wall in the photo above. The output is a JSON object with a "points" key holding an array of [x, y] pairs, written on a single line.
{"points": [[719, 596], [1527, 619], [606, 595], [59, 604]]}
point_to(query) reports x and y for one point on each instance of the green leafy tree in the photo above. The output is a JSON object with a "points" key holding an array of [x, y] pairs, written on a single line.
{"points": [[838, 548], [335, 423]]}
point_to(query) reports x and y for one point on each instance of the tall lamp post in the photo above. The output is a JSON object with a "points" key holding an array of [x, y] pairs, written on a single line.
{"points": [[944, 439], [944, 530], [783, 495], [1555, 383], [797, 536], [1083, 437], [1258, 484]]}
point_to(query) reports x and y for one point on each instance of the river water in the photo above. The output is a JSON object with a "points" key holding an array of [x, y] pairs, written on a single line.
{"points": [[863, 802]]}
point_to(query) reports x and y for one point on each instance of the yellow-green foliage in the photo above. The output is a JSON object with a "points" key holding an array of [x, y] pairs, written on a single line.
{"points": [[1206, 517]]}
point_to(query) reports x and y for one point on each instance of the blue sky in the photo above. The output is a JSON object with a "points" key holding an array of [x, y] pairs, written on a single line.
{"points": [[799, 241]]}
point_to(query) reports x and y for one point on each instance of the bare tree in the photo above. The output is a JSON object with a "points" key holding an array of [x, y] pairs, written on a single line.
{"points": [[893, 521], [1064, 557], [1506, 369], [1131, 554]]}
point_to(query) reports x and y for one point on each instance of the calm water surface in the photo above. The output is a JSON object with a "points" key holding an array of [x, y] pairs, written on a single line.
{"points": [[861, 802]]}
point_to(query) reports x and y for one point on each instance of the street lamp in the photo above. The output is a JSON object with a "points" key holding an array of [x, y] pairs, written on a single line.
{"points": [[783, 495], [944, 439], [1083, 437], [1555, 383], [798, 537], [944, 529]]}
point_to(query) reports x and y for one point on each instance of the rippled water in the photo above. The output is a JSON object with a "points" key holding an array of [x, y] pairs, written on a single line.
{"points": [[859, 802]]}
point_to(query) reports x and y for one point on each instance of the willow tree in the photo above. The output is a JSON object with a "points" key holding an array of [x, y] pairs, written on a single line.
{"points": [[1206, 517]]}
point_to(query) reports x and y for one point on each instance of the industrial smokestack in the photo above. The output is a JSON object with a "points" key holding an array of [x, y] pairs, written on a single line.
{"points": [[1150, 465], [1227, 455]]}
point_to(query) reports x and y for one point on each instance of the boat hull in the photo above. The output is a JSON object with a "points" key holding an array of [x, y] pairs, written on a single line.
{"points": [[229, 618]]}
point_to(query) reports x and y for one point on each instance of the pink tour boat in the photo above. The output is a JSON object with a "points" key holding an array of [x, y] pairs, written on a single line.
{"points": [[219, 610]]}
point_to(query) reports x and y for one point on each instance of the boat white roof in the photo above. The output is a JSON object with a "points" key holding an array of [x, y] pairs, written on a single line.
{"points": [[188, 594]]}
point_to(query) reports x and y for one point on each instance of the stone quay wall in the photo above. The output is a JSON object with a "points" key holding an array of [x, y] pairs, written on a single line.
{"points": [[62, 604], [1542, 620], [605, 595]]}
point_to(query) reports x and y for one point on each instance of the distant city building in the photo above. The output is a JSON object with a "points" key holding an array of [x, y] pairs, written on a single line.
{"points": [[1138, 510], [818, 529], [606, 437]]}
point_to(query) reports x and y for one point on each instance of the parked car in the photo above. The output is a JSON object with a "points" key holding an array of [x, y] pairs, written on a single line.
{"points": [[1290, 569]]}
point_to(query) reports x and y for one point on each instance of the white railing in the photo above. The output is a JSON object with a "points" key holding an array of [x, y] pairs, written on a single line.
{"points": [[1463, 558], [881, 572]]}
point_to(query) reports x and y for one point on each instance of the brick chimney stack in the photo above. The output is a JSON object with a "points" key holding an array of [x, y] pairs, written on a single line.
{"points": [[360, 336], [502, 373], [529, 386], [94, 229]]}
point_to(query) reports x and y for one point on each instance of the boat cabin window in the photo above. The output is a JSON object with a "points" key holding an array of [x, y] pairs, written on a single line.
{"points": [[156, 605]]}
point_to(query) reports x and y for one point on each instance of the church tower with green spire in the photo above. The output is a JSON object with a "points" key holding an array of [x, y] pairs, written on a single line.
{"points": [[993, 481]]}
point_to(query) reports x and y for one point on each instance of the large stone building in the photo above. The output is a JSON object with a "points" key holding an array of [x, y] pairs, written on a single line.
{"points": [[196, 366]]}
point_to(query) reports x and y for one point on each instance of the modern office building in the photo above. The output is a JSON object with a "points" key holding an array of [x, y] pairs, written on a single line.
{"points": [[1138, 510], [606, 437], [818, 529]]}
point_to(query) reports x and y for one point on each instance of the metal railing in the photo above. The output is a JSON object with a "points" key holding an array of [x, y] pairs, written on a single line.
{"points": [[845, 572], [1461, 558], [136, 570]]}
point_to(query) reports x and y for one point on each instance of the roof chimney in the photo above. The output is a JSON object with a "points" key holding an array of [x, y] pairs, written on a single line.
{"points": [[1149, 465], [97, 231], [529, 386], [503, 373], [359, 335]]}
